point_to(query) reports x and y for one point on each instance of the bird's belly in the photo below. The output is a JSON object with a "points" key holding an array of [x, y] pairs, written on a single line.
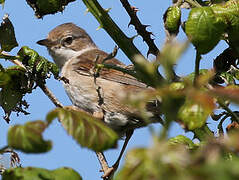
{"points": [[83, 94], [82, 98]]}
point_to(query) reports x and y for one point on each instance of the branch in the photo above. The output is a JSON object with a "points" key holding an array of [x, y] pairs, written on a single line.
{"points": [[103, 163], [202, 133], [124, 43], [228, 110], [13, 59], [140, 28], [197, 67], [51, 96], [112, 29]]}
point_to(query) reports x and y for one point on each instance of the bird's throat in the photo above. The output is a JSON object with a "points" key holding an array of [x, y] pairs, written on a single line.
{"points": [[62, 55]]}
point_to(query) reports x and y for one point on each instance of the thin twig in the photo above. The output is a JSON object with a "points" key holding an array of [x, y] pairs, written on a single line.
{"points": [[100, 156], [51, 96], [125, 44], [103, 162], [229, 111], [140, 28], [13, 59]]}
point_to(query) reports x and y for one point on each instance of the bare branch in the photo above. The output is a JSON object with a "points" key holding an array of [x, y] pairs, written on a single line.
{"points": [[103, 163], [140, 28]]}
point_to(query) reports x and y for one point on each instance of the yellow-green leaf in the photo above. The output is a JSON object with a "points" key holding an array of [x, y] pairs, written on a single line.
{"points": [[172, 19], [85, 129], [32, 173], [28, 137], [193, 115], [204, 29], [180, 139]]}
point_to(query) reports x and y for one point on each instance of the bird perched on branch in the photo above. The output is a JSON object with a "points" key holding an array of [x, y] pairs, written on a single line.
{"points": [[99, 93]]}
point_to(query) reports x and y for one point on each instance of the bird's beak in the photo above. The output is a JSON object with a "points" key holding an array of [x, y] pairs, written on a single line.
{"points": [[45, 42]]}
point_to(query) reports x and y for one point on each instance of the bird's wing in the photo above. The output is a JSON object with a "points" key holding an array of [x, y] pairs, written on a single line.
{"points": [[86, 64]]}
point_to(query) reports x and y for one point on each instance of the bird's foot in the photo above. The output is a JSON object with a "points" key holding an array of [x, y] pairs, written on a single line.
{"points": [[108, 173]]}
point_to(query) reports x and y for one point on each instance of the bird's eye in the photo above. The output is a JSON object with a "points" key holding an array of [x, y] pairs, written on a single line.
{"points": [[67, 41]]}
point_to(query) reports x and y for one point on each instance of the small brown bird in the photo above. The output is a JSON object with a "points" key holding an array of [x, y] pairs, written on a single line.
{"points": [[75, 54]]}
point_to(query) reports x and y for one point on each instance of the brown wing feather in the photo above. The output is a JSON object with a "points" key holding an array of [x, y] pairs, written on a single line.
{"points": [[85, 66]]}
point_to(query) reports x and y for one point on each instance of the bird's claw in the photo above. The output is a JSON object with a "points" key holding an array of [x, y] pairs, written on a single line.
{"points": [[108, 173]]}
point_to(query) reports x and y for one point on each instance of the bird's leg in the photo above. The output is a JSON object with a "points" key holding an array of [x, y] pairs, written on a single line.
{"points": [[111, 170], [103, 163]]}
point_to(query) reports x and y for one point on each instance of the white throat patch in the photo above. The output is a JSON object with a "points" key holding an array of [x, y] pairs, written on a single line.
{"points": [[62, 55]]}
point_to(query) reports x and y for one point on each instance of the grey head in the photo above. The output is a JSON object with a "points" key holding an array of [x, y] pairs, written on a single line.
{"points": [[66, 41]]}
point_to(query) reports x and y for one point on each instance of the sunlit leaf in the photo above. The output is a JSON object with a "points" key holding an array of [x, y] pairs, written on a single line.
{"points": [[7, 35], [172, 19], [193, 115], [85, 129], [66, 173], [28, 137], [32, 173], [204, 29], [45, 7], [180, 139], [176, 86], [229, 12]]}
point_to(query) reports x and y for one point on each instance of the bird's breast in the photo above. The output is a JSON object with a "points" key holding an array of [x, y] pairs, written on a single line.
{"points": [[84, 93]]}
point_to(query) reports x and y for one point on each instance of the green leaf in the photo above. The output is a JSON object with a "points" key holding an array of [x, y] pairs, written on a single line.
{"points": [[66, 173], [85, 129], [4, 78], [229, 13], [37, 65], [44, 7], [227, 77], [172, 19], [2, 2], [32, 173], [28, 137], [204, 29], [180, 139], [176, 86], [7, 35], [9, 99], [193, 115], [14, 86]]}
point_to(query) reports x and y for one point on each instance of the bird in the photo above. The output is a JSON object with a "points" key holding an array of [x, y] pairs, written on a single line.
{"points": [[75, 54]]}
